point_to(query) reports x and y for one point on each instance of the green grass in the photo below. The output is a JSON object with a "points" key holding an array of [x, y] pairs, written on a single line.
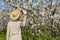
{"points": [[2, 36], [27, 37]]}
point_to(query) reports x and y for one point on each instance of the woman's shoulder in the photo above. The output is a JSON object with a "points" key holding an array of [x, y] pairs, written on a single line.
{"points": [[14, 22]]}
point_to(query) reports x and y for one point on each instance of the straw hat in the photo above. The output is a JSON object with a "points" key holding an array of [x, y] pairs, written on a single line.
{"points": [[15, 14]]}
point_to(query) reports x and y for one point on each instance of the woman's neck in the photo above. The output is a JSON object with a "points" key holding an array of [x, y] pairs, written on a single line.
{"points": [[14, 20]]}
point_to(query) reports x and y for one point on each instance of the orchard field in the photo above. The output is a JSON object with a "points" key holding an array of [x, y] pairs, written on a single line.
{"points": [[42, 22]]}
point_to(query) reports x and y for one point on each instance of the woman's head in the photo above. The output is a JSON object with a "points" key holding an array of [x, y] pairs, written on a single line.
{"points": [[15, 14]]}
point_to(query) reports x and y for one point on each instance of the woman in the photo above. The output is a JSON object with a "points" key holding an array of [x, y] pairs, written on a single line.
{"points": [[13, 28]]}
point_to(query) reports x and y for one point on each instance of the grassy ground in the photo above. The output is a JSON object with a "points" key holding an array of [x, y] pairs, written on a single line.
{"points": [[2, 36]]}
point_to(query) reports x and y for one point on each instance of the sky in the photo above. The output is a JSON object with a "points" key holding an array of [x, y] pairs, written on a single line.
{"points": [[2, 3]]}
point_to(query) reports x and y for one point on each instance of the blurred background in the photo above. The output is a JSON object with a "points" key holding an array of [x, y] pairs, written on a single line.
{"points": [[43, 18]]}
